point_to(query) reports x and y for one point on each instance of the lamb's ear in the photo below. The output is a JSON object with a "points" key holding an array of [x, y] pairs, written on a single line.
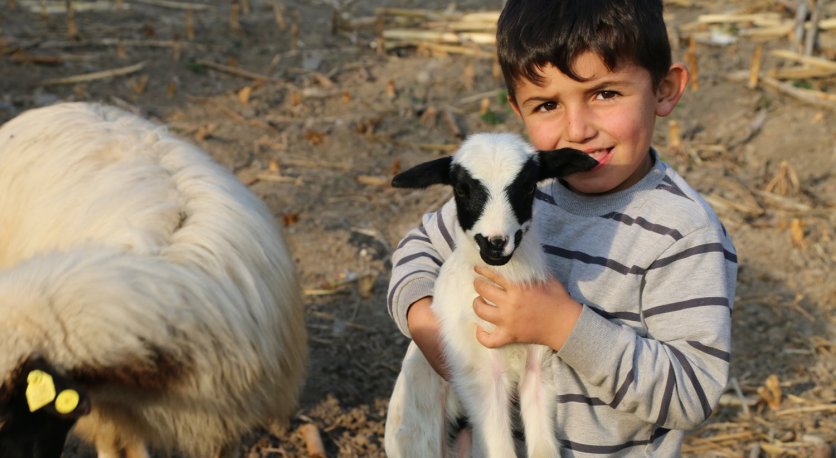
{"points": [[563, 162], [425, 174], [47, 390]]}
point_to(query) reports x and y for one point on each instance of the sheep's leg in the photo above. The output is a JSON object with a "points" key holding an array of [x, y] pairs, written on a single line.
{"points": [[537, 406], [107, 445], [136, 450], [485, 394], [107, 449], [108, 454], [416, 420], [463, 445], [110, 447]]}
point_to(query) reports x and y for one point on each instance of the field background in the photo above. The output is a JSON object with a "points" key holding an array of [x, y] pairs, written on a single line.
{"points": [[316, 103]]}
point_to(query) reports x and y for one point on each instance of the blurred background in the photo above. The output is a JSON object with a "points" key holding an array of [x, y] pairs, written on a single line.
{"points": [[315, 104]]}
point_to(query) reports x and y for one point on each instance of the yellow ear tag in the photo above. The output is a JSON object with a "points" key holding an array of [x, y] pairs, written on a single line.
{"points": [[66, 401], [40, 390]]}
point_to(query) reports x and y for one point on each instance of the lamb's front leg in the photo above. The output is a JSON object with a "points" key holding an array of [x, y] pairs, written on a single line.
{"points": [[416, 420], [538, 401], [485, 392]]}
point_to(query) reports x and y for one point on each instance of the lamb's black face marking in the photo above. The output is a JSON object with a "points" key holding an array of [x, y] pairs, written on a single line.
{"points": [[521, 191], [470, 195]]}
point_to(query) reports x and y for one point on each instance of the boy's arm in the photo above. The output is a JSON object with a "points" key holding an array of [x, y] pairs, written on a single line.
{"points": [[426, 333], [674, 375], [416, 262]]}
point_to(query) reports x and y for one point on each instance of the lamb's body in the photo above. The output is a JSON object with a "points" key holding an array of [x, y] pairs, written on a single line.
{"points": [[141, 269], [495, 177], [486, 380]]}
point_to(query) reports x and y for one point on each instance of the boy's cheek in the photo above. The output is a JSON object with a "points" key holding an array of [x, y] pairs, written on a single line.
{"points": [[544, 136]]}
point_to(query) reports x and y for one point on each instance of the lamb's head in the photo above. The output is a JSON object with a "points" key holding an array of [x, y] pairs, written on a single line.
{"points": [[38, 407], [494, 179]]}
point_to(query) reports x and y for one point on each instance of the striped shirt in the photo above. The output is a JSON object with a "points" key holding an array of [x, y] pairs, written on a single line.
{"points": [[656, 272]]}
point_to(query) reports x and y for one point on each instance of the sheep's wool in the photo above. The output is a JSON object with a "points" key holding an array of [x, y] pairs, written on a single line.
{"points": [[137, 265]]}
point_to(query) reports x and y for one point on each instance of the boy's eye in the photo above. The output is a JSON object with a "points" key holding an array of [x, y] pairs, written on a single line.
{"points": [[547, 106], [606, 95]]}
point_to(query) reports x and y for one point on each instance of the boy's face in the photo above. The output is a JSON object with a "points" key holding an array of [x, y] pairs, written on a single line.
{"points": [[610, 115]]}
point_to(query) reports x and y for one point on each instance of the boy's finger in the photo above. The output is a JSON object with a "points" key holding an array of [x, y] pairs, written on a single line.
{"points": [[491, 275], [486, 289], [485, 338], [484, 310]]}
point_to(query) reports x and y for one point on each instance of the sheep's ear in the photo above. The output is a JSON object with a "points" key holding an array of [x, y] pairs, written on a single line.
{"points": [[563, 162], [426, 174], [47, 390]]}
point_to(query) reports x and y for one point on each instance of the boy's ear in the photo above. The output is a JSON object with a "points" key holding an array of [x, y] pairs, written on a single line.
{"points": [[426, 174], [513, 102], [563, 162], [671, 88]]}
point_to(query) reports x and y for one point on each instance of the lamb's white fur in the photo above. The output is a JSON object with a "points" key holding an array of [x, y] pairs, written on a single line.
{"points": [[483, 380], [134, 263]]}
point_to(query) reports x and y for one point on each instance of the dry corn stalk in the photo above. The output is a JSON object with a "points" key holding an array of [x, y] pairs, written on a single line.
{"points": [[800, 58], [140, 84], [189, 25], [72, 28], [391, 90], [484, 106], [755, 70], [294, 35], [797, 233], [171, 89], [244, 94], [429, 117], [674, 136], [234, 11], [785, 182], [313, 441], [373, 180], [469, 76], [95, 75], [365, 284], [691, 59], [771, 392], [176, 5], [279, 12]]}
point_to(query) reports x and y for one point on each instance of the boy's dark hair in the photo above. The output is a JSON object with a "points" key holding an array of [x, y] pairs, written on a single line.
{"points": [[533, 33]]}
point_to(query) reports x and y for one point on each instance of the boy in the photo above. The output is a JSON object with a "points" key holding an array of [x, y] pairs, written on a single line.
{"points": [[639, 311]]}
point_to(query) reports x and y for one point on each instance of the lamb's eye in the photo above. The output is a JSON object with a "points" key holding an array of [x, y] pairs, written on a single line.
{"points": [[462, 190]]}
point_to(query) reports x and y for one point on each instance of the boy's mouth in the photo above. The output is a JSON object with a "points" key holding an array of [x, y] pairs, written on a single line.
{"points": [[601, 155]]}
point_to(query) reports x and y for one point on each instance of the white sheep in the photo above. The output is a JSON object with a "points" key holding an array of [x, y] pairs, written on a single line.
{"points": [[494, 178], [149, 284]]}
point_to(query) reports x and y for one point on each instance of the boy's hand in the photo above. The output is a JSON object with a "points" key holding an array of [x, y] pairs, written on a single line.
{"points": [[542, 313]]}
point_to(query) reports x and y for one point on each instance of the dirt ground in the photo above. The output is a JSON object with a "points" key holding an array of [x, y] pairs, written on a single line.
{"points": [[302, 105]]}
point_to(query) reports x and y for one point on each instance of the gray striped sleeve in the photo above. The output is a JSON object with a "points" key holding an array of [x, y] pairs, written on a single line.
{"points": [[674, 376], [417, 260]]}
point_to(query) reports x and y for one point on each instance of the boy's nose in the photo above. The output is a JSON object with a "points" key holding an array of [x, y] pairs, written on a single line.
{"points": [[578, 128]]}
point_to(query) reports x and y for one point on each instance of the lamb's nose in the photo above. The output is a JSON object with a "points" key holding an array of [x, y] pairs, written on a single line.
{"points": [[497, 243]]}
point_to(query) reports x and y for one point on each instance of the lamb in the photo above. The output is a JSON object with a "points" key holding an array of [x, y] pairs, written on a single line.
{"points": [[494, 178], [147, 298]]}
